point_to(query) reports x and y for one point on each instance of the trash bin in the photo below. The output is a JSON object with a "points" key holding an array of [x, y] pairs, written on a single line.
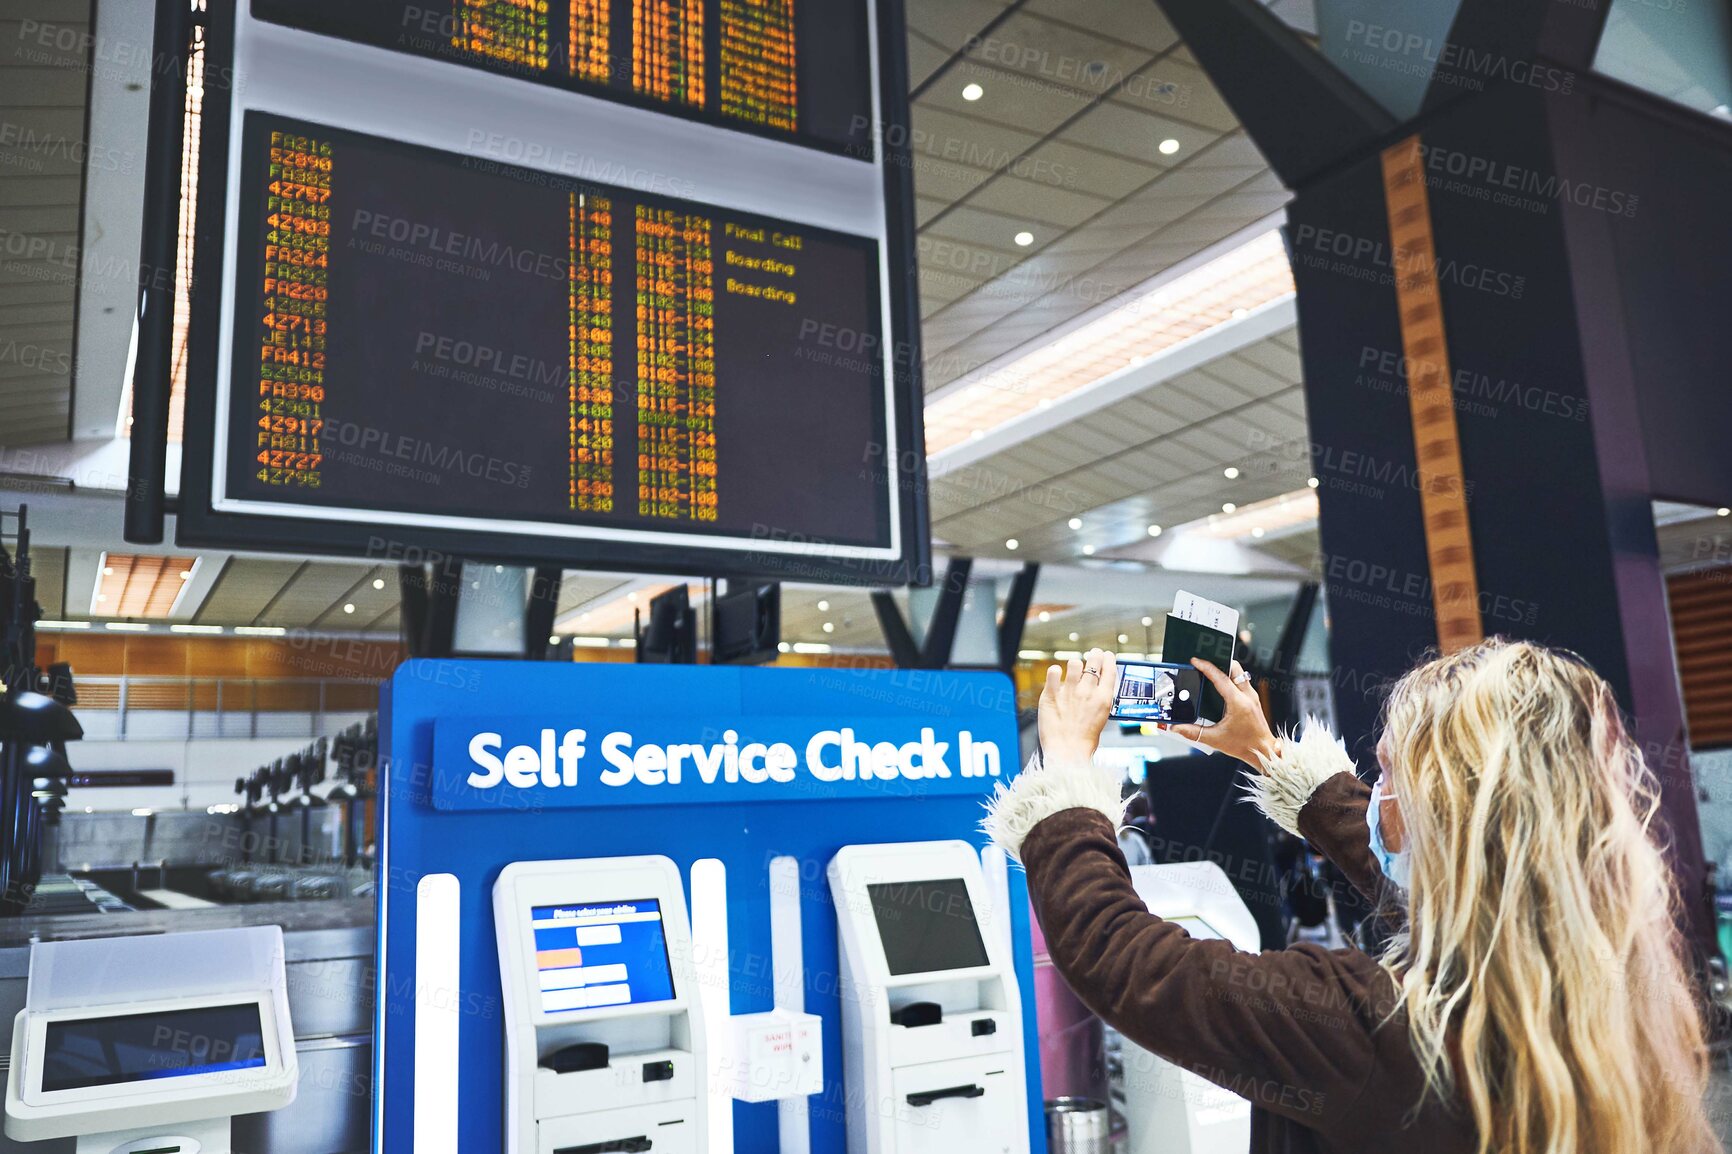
{"points": [[1077, 1126]]}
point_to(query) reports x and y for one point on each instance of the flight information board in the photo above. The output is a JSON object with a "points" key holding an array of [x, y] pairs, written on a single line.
{"points": [[796, 69], [438, 336]]}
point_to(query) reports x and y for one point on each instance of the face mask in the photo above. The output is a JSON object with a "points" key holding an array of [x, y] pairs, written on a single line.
{"points": [[1396, 866]]}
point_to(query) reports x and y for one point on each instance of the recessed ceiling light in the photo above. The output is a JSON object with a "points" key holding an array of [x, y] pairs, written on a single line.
{"points": [[1012, 543], [1075, 522], [1241, 314], [349, 608], [976, 434], [102, 597], [186, 574], [631, 596], [1088, 550], [1073, 637], [972, 92], [829, 627], [378, 582], [1123, 637], [1154, 530], [108, 570], [1045, 616], [1148, 621], [1231, 473], [823, 606], [1024, 239], [499, 568], [1311, 482], [783, 647], [1723, 511], [1169, 146], [1256, 530], [1228, 507], [553, 639]]}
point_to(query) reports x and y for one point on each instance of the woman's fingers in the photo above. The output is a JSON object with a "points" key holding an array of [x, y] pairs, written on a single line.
{"points": [[1216, 678]]}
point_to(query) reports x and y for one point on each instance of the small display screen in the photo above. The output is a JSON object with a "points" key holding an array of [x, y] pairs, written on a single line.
{"points": [[927, 926], [587, 956], [83, 1052], [1150, 692], [778, 68]]}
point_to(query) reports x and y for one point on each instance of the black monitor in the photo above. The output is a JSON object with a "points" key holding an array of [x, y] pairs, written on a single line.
{"points": [[746, 624], [671, 636]]}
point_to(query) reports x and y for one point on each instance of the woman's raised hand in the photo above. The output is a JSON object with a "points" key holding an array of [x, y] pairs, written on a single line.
{"points": [[1243, 731], [1074, 707]]}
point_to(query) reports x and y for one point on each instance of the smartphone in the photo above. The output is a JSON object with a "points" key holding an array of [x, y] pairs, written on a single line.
{"points": [[1156, 691], [1184, 640]]}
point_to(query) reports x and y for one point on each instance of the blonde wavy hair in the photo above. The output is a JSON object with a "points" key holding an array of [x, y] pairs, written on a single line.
{"points": [[1540, 967]]}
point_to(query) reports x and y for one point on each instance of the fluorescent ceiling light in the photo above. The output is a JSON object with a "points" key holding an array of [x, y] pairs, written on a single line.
{"points": [[195, 628], [810, 647], [127, 626], [57, 626], [1133, 328], [260, 630]]}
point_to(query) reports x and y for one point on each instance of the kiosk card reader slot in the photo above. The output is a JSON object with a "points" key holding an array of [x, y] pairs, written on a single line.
{"points": [[932, 1035], [604, 1038]]}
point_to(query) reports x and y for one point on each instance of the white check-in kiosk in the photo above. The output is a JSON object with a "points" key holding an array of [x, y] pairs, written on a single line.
{"points": [[151, 1043], [604, 1036], [1169, 1110], [932, 1026]]}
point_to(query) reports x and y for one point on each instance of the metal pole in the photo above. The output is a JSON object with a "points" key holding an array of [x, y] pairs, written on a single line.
{"points": [[153, 367]]}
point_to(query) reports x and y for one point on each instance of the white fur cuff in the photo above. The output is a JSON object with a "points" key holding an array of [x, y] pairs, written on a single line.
{"points": [[1304, 764], [1039, 792]]}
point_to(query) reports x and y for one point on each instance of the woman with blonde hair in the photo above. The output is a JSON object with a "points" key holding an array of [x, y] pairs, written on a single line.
{"points": [[1535, 1001]]}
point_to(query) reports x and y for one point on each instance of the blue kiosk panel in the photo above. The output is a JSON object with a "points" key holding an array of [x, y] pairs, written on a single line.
{"points": [[490, 762]]}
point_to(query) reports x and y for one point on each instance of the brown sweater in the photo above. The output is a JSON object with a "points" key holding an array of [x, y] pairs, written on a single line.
{"points": [[1300, 1032]]}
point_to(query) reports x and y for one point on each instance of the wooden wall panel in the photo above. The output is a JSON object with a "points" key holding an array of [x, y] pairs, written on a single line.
{"points": [[1702, 630]]}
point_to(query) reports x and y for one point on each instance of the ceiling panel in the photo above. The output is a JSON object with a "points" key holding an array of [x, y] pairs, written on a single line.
{"points": [[1157, 456], [1108, 209], [1027, 101], [246, 586], [1143, 25], [950, 23]]}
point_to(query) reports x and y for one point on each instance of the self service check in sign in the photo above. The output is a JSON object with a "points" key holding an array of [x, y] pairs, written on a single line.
{"points": [[582, 761]]}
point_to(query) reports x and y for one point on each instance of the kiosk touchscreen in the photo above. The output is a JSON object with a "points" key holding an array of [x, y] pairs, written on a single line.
{"points": [[151, 1043], [604, 1038], [932, 1038]]}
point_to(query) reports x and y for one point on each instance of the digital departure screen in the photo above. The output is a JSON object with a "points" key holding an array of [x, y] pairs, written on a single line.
{"points": [[79, 1053], [927, 926], [437, 336], [796, 69], [614, 954]]}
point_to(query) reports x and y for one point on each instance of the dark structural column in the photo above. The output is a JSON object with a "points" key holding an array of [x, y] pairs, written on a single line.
{"points": [[1535, 255]]}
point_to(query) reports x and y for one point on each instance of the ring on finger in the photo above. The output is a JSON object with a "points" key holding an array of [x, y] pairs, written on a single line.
{"points": [[1242, 679]]}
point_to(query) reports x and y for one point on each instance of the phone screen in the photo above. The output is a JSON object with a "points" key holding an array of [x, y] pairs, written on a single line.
{"points": [[1155, 691]]}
